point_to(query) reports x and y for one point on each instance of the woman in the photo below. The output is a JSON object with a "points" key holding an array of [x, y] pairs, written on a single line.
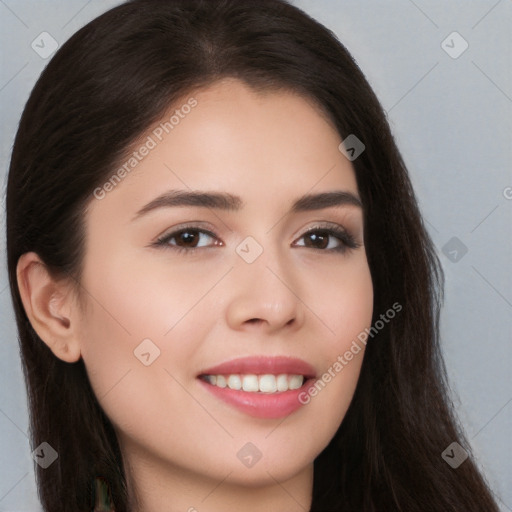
{"points": [[287, 359]]}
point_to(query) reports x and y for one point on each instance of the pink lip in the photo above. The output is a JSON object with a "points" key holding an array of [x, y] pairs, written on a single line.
{"points": [[261, 405], [261, 365]]}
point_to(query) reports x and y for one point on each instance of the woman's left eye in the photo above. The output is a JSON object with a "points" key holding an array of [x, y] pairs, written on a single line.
{"points": [[333, 239], [324, 237]]}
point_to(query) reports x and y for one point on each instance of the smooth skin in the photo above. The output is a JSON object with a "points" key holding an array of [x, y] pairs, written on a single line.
{"points": [[298, 298]]}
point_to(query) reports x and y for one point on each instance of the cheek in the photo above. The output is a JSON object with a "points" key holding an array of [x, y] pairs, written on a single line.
{"points": [[131, 301], [348, 309], [151, 293], [347, 304], [136, 329], [138, 313], [137, 374]]}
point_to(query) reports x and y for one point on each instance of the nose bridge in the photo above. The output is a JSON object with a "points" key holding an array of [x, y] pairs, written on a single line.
{"points": [[263, 288]]}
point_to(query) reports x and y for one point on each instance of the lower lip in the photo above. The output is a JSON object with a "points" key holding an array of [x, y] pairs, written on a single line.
{"points": [[260, 405]]}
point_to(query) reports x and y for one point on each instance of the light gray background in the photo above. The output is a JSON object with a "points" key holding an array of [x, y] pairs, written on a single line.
{"points": [[452, 121]]}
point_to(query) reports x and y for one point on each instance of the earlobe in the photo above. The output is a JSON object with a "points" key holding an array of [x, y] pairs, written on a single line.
{"points": [[48, 305]]}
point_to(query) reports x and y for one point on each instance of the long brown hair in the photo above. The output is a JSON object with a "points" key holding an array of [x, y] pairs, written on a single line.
{"points": [[103, 88]]}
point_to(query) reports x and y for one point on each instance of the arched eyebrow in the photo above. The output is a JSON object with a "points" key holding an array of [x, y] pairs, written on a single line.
{"points": [[229, 202]]}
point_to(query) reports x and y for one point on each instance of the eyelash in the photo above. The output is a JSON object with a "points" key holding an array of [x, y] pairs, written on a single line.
{"points": [[348, 242]]}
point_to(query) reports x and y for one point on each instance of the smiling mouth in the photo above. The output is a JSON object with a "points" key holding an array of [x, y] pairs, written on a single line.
{"points": [[252, 383], [267, 387]]}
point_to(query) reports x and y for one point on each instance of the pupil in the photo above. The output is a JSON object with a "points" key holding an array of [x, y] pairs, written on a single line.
{"points": [[187, 237], [321, 238]]}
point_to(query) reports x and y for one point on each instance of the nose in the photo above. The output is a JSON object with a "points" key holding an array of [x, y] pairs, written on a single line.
{"points": [[265, 295]]}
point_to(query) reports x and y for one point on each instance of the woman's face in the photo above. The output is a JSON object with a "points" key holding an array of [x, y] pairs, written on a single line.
{"points": [[176, 293]]}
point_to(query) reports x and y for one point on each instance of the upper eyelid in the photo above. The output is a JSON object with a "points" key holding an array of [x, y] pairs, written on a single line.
{"points": [[178, 229]]}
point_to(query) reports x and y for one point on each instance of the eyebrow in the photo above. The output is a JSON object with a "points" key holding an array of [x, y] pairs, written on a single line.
{"points": [[230, 202]]}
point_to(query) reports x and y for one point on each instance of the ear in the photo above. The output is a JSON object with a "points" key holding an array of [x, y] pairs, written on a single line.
{"points": [[48, 303]]}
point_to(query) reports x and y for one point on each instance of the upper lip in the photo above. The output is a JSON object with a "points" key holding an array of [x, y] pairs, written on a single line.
{"points": [[261, 365]]}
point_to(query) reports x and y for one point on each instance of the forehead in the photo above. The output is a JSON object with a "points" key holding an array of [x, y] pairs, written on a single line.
{"points": [[228, 137]]}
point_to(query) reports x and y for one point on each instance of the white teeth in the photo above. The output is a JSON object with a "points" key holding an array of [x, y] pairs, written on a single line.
{"points": [[251, 383], [234, 382], [282, 382], [295, 382], [268, 384]]}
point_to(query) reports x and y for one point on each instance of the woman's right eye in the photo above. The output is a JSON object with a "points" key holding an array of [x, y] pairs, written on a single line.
{"points": [[189, 238]]}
